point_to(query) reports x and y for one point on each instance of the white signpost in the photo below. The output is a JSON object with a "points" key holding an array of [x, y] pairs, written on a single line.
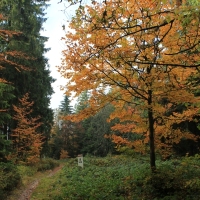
{"points": [[80, 160]]}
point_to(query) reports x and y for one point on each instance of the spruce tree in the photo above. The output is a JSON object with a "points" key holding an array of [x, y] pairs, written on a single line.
{"points": [[27, 17], [65, 107], [6, 91], [64, 140], [82, 101], [93, 138]]}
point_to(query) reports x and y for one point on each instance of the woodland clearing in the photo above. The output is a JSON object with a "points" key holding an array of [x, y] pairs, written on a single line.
{"points": [[122, 177]]}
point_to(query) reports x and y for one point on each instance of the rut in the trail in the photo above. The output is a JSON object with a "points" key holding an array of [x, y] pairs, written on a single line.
{"points": [[28, 191]]}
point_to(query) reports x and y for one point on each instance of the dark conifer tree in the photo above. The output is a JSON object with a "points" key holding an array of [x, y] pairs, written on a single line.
{"points": [[82, 101], [65, 107], [27, 17], [6, 91], [64, 136], [93, 138]]}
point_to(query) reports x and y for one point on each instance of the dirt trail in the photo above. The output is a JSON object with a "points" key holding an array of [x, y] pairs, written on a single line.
{"points": [[26, 194], [28, 191]]}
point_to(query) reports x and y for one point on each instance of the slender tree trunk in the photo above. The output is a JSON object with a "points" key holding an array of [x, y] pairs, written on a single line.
{"points": [[151, 133], [5, 129]]}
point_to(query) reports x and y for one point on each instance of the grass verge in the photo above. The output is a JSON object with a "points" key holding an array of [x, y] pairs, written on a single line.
{"points": [[29, 174], [122, 178]]}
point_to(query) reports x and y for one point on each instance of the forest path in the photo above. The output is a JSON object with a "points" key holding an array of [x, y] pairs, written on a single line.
{"points": [[29, 190], [26, 192]]}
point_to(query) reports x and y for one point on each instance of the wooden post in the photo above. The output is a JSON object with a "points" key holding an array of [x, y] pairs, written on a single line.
{"points": [[80, 160]]}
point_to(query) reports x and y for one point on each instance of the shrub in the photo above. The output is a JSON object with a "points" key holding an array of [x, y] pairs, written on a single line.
{"points": [[9, 178], [164, 182], [26, 171], [47, 164], [175, 179]]}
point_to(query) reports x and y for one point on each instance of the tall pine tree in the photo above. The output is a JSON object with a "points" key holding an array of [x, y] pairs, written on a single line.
{"points": [[27, 17], [65, 107], [6, 88]]}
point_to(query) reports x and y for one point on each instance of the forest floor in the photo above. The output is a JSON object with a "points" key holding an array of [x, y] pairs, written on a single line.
{"points": [[112, 177], [24, 193]]}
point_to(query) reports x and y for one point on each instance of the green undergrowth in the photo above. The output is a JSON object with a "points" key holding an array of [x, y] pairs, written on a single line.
{"points": [[29, 173], [47, 164], [9, 179], [14, 178], [120, 177]]}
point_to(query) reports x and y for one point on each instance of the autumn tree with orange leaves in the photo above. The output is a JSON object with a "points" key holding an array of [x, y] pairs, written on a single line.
{"points": [[27, 142], [137, 55]]}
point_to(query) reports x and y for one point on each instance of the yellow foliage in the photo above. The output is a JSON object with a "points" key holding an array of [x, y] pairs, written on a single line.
{"points": [[26, 140], [138, 56], [63, 154]]}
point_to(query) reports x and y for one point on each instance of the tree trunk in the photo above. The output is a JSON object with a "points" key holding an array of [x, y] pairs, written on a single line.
{"points": [[151, 133]]}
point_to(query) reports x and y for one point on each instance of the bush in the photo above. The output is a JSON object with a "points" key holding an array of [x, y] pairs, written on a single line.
{"points": [[9, 178], [26, 171], [175, 179], [47, 164], [164, 182]]}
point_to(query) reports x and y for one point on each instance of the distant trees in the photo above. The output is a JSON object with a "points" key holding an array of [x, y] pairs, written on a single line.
{"points": [[92, 130], [87, 136], [65, 107], [64, 139], [95, 138], [82, 101], [144, 53]]}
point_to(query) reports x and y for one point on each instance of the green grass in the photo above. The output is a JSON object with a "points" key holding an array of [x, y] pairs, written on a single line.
{"points": [[27, 175], [30, 173], [119, 178]]}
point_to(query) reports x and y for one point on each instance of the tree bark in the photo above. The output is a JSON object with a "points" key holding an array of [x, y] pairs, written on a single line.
{"points": [[151, 133]]}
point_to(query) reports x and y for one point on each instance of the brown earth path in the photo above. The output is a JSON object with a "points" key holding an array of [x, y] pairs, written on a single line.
{"points": [[25, 194]]}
